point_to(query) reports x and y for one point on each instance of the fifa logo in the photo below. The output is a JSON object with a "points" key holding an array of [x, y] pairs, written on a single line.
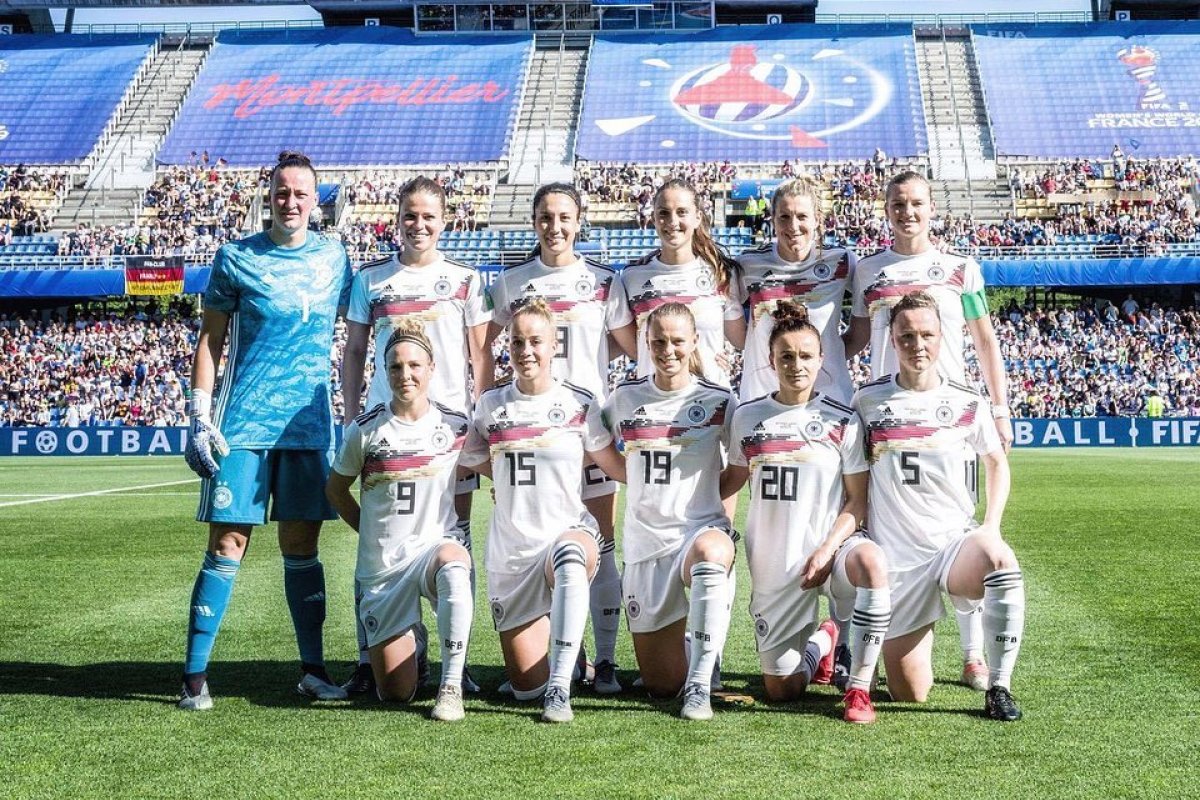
{"points": [[1142, 63]]}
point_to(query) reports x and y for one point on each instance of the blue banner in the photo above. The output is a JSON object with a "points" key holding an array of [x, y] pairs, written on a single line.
{"points": [[59, 91], [351, 96], [1071, 91], [93, 441], [753, 93]]}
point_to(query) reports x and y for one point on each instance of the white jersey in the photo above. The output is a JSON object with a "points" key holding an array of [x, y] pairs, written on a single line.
{"points": [[797, 456], [820, 283], [536, 446], [406, 474], [588, 301], [673, 443], [955, 281], [650, 283], [446, 297], [922, 447]]}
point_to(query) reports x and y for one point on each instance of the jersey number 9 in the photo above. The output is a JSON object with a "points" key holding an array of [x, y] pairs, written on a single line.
{"points": [[405, 495]]}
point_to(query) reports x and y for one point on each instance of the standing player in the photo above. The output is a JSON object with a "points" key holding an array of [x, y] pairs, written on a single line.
{"points": [[405, 453], [913, 264], [268, 436], [923, 432], [588, 302], [803, 452], [796, 267], [687, 268], [419, 284], [676, 535], [531, 437]]}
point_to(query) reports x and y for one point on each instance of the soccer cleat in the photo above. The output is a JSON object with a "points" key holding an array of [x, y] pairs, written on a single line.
{"points": [[556, 705], [449, 705], [975, 674], [505, 688], [841, 667], [1001, 706], [361, 681], [824, 674], [697, 704], [606, 678], [312, 686], [469, 685], [858, 707], [201, 701]]}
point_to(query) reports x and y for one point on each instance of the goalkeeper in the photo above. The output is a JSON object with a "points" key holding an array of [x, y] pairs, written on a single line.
{"points": [[267, 434]]}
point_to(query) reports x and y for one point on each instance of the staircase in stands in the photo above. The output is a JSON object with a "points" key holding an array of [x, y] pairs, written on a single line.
{"points": [[543, 147], [123, 171]]}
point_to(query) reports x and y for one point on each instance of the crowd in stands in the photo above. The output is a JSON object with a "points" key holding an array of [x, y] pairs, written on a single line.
{"points": [[18, 216], [636, 184], [132, 367]]}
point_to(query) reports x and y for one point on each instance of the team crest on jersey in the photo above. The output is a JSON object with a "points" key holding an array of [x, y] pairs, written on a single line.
{"points": [[370, 623], [443, 288], [822, 271], [222, 497], [815, 429], [936, 274], [497, 610], [944, 414], [761, 628], [557, 416], [584, 288], [704, 282], [440, 440], [696, 413], [634, 609]]}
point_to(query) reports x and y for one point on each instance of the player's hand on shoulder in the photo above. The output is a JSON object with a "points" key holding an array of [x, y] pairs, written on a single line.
{"points": [[203, 441]]}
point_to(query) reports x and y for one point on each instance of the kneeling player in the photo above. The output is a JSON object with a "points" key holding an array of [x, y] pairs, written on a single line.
{"points": [[530, 436], [923, 433], [405, 454], [809, 494], [676, 534]]}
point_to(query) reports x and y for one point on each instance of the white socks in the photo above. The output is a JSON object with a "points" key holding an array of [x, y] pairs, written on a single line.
{"points": [[455, 612], [864, 635], [708, 619], [1003, 623], [606, 604], [568, 611], [970, 634]]}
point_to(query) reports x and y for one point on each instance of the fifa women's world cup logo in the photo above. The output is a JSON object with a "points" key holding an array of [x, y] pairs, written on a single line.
{"points": [[1141, 63]]}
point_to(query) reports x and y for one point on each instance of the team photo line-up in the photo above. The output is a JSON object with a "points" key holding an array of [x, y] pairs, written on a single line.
{"points": [[866, 496]]}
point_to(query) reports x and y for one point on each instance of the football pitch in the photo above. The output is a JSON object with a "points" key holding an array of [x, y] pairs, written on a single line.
{"points": [[97, 559]]}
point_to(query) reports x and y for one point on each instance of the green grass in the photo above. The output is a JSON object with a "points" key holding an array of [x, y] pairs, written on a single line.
{"points": [[94, 590]]}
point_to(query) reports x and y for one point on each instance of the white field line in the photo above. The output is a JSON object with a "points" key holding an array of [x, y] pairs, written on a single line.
{"points": [[53, 497]]}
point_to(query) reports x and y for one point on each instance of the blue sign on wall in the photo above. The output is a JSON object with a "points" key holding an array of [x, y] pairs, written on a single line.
{"points": [[1107, 432]]}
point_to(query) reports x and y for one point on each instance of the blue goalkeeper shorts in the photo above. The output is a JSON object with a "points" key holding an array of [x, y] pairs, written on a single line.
{"points": [[291, 481]]}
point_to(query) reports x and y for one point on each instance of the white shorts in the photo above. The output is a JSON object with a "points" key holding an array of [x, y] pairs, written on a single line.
{"points": [[596, 483], [786, 617], [521, 598], [654, 591], [917, 591], [466, 485], [393, 605]]}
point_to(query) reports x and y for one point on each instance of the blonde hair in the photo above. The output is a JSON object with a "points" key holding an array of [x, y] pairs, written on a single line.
{"points": [[803, 186], [412, 331], [534, 306], [674, 309]]}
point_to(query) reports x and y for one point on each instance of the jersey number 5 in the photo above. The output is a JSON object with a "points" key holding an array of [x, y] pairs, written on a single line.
{"points": [[910, 468]]}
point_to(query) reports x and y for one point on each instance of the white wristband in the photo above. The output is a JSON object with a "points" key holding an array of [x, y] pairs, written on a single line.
{"points": [[199, 404], [1000, 411]]}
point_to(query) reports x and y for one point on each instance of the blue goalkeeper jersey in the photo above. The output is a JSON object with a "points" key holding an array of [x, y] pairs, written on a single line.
{"points": [[282, 304]]}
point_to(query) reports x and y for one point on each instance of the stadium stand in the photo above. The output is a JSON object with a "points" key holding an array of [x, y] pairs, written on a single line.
{"points": [[352, 97]]}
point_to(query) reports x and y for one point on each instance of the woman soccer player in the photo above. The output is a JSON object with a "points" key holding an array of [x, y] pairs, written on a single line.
{"points": [[922, 433], [803, 451], [796, 267], [405, 454], [419, 284], [268, 433], [687, 268], [676, 535], [531, 437], [588, 302]]}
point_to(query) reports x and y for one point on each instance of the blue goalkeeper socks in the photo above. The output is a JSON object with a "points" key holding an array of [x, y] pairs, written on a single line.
{"points": [[210, 598], [304, 585]]}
